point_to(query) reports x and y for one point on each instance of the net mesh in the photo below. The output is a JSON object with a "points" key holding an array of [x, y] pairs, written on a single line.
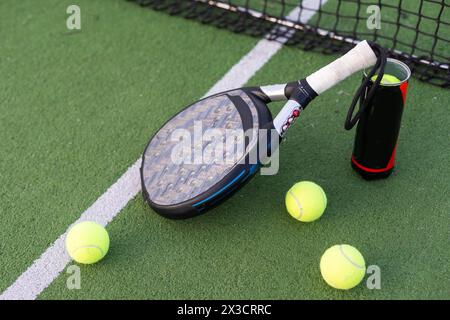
{"points": [[416, 32]]}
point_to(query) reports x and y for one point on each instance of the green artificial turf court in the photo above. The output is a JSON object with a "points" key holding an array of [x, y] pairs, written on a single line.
{"points": [[77, 108]]}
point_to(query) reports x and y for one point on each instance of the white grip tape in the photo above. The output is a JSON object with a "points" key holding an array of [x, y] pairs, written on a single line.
{"points": [[360, 57]]}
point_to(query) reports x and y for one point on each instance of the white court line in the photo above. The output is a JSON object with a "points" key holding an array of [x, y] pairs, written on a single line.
{"points": [[54, 260]]}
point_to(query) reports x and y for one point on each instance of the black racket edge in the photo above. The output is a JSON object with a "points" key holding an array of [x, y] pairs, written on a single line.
{"points": [[185, 209]]}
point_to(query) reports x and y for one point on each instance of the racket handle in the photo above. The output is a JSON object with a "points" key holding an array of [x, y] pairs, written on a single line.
{"points": [[358, 58]]}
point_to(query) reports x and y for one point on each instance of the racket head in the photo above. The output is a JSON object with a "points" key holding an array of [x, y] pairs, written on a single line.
{"points": [[183, 190]]}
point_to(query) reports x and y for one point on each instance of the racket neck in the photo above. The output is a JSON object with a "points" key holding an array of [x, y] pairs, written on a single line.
{"points": [[300, 94]]}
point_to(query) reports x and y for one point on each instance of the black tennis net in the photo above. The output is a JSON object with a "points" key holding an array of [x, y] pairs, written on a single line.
{"points": [[416, 32]]}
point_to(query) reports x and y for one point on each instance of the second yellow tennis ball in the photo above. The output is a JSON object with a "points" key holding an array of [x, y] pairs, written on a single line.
{"points": [[87, 242], [342, 266], [306, 201], [387, 79]]}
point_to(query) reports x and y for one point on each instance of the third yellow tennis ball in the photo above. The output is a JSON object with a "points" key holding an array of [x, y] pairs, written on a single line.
{"points": [[87, 242], [342, 266], [306, 201], [387, 79]]}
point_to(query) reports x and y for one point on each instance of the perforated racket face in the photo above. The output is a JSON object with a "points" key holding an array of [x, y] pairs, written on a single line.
{"points": [[168, 182]]}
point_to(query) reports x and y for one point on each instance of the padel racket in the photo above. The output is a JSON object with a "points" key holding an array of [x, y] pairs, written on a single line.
{"points": [[182, 189]]}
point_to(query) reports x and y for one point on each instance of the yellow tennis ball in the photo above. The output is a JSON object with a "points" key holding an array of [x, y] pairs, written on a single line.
{"points": [[306, 201], [387, 79], [342, 266], [87, 242]]}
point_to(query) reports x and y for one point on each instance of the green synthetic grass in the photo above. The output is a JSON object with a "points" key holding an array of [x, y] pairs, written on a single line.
{"points": [[78, 109], [251, 248]]}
